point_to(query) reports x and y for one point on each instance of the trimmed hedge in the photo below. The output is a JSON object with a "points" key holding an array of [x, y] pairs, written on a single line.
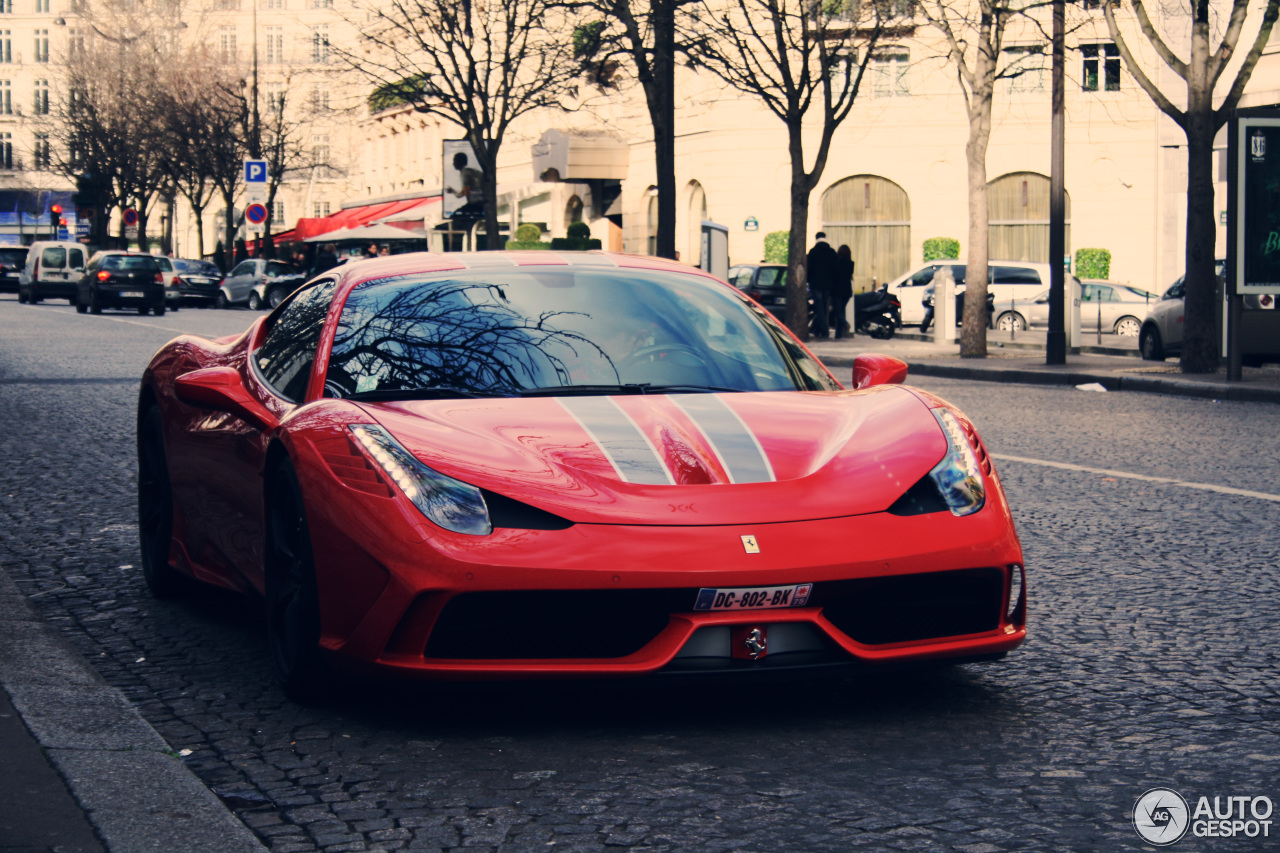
{"points": [[579, 239], [528, 236], [941, 249], [1093, 263], [775, 247]]}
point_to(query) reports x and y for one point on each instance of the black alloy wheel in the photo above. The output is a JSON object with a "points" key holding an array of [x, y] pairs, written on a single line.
{"points": [[222, 301], [292, 601], [155, 508], [275, 296]]}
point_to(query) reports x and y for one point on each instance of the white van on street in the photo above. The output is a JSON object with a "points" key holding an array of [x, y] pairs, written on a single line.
{"points": [[53, 271]]}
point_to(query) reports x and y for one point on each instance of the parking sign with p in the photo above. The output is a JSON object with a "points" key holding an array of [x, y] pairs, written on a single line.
{"points": [[255, 171]]}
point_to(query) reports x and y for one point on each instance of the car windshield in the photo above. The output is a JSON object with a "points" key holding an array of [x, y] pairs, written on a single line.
{"points": [[129, 262], [549, 331], [198, 267], [13, 257]]}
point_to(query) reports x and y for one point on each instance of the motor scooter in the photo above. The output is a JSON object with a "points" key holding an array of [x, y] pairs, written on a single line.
{"points": [[876, 313]]}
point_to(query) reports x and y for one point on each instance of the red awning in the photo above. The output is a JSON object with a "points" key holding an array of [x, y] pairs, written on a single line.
{"points": [[354, 217]]}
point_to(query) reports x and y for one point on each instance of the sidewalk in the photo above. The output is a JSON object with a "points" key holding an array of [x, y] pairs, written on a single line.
{"points": [[1115, 365], [80, 770]]}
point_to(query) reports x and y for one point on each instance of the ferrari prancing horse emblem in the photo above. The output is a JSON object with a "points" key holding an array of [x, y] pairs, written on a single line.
{"points": [[750, 544]]}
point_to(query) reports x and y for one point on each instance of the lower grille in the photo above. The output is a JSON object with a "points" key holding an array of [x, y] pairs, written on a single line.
{"points": [[552, 624], [876, 611]]}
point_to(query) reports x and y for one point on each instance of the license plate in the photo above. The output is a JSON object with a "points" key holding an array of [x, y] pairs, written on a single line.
{"points": [[753, 597], [779, 300], [132, 293]]}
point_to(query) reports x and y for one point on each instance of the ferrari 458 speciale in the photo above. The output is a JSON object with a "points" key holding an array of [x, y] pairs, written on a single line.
{"points": [[531, 465]]}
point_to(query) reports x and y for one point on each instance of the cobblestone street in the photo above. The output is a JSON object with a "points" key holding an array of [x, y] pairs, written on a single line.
{"points": [[1152, 658]]}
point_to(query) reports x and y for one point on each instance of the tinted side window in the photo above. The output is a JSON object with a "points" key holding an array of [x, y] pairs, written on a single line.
{"points": [[771, 277], [923, 277], [740, 277], [279, 268], [286, 356], [1014, 275], [75, 259], [54, 256]]}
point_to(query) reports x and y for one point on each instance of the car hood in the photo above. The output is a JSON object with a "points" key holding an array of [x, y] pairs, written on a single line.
{"points": [[680, 459]]}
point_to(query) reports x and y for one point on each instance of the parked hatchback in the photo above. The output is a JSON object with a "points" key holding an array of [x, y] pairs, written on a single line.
{"points": [[258, 283], [122, 280], [52, 270], [12, 259]]}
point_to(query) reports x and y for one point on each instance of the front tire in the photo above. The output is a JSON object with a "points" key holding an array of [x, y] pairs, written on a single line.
{"points": [[255, 303], [1128, 327], [292, 600], [155, 508], [222, 301], [1011, 321], [1149, 344]]}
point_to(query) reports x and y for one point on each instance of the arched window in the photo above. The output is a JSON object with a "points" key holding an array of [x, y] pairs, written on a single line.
{"points": [[1018, 218], [872, 215], [697, 213], [573, 211], [651, 221]]}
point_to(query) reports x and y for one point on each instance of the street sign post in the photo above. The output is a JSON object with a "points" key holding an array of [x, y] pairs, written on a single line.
{"points": [[130, 218], [255, 180], [255, 217]]}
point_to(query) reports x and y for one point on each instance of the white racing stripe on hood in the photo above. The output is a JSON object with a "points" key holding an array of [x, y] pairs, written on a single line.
{"points": [[733, 442], [626, 447]]}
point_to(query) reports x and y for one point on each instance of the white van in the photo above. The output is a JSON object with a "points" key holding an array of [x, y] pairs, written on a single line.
{"points": [[1006, 280], [53, 270]]}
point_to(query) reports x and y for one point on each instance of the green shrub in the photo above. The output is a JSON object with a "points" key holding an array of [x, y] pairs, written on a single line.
{"points": [[941, 249], [775, 247], [579, 239], [528, 237], [1093, 263]]}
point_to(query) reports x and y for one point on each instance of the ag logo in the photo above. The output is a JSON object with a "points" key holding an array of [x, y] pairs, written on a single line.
{"points": [[1161, 816]]}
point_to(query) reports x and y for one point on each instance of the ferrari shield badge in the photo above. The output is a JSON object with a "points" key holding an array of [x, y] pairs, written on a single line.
{"points": [[749, 543]]}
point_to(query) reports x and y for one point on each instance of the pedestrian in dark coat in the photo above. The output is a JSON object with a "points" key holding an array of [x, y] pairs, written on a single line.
{"points": [[842, 292], [326, 259], [822, 280]]}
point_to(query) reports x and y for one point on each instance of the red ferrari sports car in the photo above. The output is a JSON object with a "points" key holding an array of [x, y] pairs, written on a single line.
{"points": [[527, 465]]}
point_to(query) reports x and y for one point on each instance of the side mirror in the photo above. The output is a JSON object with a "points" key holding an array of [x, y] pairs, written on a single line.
{"points": [[220, 389], [872, 369]]}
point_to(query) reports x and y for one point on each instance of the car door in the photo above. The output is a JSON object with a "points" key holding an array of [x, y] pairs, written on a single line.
{"points": [[226, 455], [241, 280], [1169, 312]]}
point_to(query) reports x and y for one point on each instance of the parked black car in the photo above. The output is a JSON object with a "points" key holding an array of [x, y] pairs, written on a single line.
{"points": [[121, 280], [198, 281], [766, 284], [12, 259]]}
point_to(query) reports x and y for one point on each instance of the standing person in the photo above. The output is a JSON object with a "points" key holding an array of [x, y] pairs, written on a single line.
{"points": [[326, 259], [842, 292], [822, 278], [371, 250]]}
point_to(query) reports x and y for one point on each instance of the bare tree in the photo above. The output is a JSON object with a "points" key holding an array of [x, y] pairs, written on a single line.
{"points": [[974, 32], [198, 106], [479, 65], [1200, 73], [794, 55], [643, 34]]}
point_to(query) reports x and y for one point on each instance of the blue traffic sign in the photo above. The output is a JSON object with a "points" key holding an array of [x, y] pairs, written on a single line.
{"points": [[256, 214], [255, 171], [130, 217]]}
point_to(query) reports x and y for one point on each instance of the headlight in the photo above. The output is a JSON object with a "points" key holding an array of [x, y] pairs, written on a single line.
{"points": [[449, 503], [958, 477]]}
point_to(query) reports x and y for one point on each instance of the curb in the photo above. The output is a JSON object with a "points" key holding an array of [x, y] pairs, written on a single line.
{"points": [[136, 793], [1143, 384]]}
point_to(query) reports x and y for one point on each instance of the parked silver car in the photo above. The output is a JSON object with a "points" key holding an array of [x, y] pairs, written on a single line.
{"points": [[1116, 308], [258, 283], [1006, 280]]}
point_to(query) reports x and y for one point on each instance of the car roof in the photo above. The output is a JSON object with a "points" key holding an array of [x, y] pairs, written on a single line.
{"points": [[356, 272]]}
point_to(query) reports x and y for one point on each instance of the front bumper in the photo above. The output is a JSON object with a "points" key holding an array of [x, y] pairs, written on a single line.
{"points": [[407, 599]]}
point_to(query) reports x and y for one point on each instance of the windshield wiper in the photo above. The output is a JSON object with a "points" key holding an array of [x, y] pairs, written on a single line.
{"points": [[628, 388], [414, 394]]}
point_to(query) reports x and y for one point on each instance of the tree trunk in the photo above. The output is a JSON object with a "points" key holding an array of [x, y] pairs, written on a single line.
{"points": [[198, 212], [662, 114], [489, 183], [973, 336], [1200, 341], [797, 244]]}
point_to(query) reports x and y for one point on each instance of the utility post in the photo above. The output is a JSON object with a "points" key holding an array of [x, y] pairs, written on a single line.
{"points": [[1055, 350]]}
